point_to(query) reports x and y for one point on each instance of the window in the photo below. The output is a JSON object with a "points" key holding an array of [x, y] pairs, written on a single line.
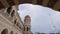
{"points": [[27, 28], [24, 28], [15, 21], [12, 14], [9, 10], [20, 27]]}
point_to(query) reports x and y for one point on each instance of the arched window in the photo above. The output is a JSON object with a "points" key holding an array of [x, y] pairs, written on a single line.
{"points": [[15, 21], [12, 14], [24, 28], [9, 10], [20, 27], [27, 28], [11, 32], [5, 31]]}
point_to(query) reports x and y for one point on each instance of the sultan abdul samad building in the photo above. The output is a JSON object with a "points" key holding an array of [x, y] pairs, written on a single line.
{"points": [[10, 21]]}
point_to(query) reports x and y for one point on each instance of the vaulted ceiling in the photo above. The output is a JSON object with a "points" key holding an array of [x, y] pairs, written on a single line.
{"points": [[53, 4]]}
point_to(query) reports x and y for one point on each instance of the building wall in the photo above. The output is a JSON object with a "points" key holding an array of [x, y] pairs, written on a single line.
{"points": [[7, 22]]}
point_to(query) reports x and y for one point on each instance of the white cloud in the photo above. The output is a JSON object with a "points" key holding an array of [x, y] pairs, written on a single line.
{"points": [[41, 20]]}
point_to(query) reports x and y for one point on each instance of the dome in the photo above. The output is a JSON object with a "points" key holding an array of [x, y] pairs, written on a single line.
{"points": [[27, 16]]}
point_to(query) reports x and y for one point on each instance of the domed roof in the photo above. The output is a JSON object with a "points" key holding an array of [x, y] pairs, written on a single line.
{"points": [[27, 16]]}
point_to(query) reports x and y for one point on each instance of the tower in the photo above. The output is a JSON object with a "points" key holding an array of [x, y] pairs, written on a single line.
{"points": [[27, 25]]}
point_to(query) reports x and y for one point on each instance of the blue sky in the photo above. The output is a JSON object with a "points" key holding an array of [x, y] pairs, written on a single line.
{"points": [[43, 19]]}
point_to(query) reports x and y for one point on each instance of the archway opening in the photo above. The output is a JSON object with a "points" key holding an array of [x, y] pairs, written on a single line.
{"points": [[5, 31]]}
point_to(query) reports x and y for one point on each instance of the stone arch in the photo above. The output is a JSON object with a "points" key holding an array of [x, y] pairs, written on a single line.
{"points": [[5, 31], [11, 32]]}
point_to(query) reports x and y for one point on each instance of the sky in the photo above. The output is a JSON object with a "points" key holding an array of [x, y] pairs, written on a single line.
{"points": [[43, 19]]}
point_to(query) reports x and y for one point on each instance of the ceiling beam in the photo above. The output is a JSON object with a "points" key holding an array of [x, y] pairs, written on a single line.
{"points": [[16, 2], [34, 1], [11, 2], [24, 1], [51, 3], [45, 2], [39, 2], [4, 3], [54, 4], [1, 5], [57, 5]]}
